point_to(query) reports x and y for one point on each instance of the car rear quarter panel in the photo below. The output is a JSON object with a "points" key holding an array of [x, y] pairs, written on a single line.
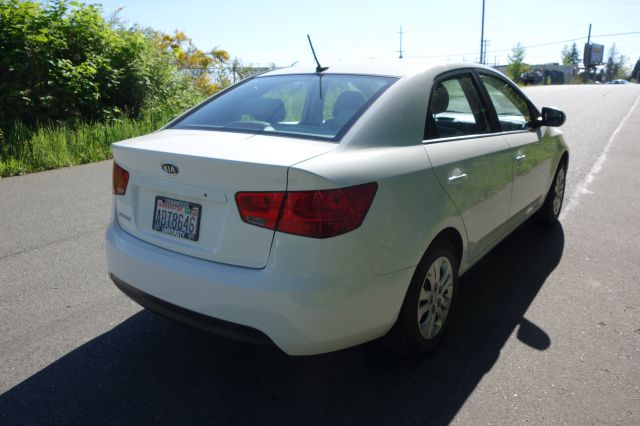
{"points": [[409, 209], [385, 146]]}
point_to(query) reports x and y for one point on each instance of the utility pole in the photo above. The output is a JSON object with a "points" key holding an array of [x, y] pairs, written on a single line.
{"points": [[482, 36], [483, 60], [587, 55], [400, 51]]}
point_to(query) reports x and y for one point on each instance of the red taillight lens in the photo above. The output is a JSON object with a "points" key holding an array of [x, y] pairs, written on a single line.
{"points": [[120, 180], [316, 214], [327, 213], [260, 208]]}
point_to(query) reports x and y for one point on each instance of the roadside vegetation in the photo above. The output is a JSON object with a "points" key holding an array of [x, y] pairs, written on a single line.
{"points": [[615, 67], [73, 82], [54, 145]]}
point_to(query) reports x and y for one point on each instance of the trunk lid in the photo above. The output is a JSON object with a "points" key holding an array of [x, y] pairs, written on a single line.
{"points": [[211, 168]]}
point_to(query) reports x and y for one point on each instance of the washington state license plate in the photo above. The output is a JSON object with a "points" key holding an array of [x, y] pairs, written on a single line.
{"points": [[178, 218]]}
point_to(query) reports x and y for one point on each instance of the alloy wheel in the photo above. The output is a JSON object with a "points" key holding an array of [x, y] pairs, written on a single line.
{"points": [[435, 298], [559, 191]]}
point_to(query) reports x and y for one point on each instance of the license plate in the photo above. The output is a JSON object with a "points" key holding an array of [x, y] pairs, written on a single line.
{"points": [[178, 218]]}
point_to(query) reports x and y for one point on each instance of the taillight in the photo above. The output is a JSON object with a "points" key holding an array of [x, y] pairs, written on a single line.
{"points": [[316, 214], [260, 208], [120, 180]]}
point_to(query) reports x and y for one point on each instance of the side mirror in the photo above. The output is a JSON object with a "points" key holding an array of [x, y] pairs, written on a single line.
{"points": [[551, 117]]}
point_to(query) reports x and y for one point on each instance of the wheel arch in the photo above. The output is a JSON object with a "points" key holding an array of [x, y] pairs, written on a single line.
{"points": [[398, 338], [451, 235], [564, 159]]}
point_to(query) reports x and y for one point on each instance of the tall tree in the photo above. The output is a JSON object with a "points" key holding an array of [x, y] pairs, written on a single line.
{"points": [[614, 68], [636, 71], [517, 66], [565, 55], [193, 61], [570, 55]]}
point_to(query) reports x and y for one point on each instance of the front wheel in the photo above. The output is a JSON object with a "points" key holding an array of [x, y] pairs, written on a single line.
{"points": [[550, 210], [428, 304]]}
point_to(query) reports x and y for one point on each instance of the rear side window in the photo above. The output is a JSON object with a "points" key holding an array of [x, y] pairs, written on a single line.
{"points": [[455, 109], [512, 109], [316, 106]]}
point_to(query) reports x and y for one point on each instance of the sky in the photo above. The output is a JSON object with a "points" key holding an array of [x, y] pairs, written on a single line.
{"points": [[274, 31]]}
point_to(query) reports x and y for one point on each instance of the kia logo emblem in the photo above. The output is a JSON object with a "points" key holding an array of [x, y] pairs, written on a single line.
{"points": [[170, 169]]}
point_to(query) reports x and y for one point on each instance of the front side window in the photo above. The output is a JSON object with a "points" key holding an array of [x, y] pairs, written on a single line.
{"points": [[314, 106], [511, 108], [455, 109]]}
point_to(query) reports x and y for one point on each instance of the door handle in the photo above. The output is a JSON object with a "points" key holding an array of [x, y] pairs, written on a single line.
{"points": [[520, 157], [457, 177]]}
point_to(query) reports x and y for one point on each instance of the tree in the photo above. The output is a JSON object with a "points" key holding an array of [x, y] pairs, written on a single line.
{"points": [[615, 66], [635, 74], [194, 62], [517, 66], [566, 60], [570, 55]]}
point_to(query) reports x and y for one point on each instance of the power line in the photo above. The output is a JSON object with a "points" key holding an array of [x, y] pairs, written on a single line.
{"points": [[601, 3], [530, 46], [573, 39]]}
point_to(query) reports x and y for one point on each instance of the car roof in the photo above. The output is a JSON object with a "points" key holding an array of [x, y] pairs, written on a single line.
{"points": [[398, 68]]}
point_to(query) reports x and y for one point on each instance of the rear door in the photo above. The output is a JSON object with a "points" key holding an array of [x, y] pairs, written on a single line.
{"points": [[473, 166], [530, 156]]}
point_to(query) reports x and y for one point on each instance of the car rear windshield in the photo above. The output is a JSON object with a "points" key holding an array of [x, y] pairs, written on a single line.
{"points": [[316, 106]]}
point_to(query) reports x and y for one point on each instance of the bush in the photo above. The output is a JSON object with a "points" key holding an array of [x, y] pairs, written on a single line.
{"points": [[61, 62], [72, 83]]}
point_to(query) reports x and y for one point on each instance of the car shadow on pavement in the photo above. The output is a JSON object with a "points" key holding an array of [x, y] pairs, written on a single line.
{"points": [[148, 370]]}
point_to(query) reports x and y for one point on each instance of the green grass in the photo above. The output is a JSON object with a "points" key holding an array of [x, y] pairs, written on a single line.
{"points": [[24, 150]]}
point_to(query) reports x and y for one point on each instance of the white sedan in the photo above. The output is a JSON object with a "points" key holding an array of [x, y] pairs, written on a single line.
{"points": [[320, 209]]}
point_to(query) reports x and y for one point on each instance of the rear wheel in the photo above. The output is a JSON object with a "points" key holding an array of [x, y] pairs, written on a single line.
{"points": [[428, 304], [550, 210]]}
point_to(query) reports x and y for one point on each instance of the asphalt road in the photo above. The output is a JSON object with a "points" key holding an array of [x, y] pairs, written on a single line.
{"points": [[547, 332]]}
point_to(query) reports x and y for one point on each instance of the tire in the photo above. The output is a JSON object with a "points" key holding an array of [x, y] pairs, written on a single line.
{"points": [[550, 210], [428, 304]]}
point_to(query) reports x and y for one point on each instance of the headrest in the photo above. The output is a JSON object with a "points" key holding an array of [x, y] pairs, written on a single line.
{"points": [[349, 101], [266, 109], [439, 100]]}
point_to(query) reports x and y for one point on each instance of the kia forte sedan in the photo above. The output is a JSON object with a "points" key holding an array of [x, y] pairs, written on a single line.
{"points": [[319, 209]]}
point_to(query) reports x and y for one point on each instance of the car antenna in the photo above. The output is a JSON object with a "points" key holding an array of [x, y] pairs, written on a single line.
{"points": [[318, 68]]}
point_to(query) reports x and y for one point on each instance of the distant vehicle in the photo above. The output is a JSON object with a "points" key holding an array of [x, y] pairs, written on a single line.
{"points": [[532, 77], [322, 208], [618, 81]]}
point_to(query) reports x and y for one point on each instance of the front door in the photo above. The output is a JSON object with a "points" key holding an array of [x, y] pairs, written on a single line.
{"points": [[531, 157]]}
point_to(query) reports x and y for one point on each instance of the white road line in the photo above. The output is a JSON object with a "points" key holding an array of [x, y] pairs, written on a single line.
{"points": [[583, 186]]}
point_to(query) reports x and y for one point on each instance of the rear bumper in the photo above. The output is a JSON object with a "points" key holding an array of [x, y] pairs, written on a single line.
{"points": [[307, 300], [194, 319]]}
